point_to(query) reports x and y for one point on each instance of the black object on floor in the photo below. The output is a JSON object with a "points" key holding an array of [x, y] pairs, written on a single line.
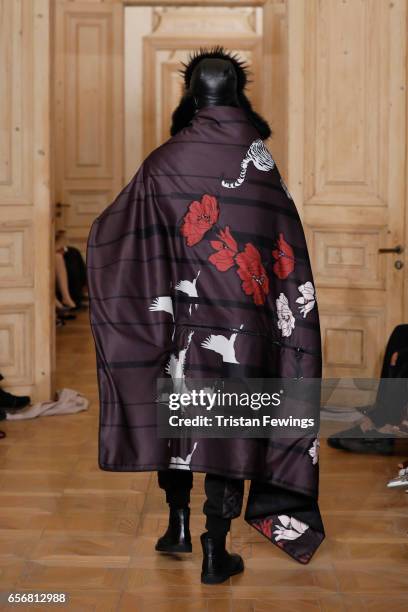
{"points": [[390, 403], [13, 402], [218, 563], [177, 538], [67, 317], [374, 445], [389, 406]]}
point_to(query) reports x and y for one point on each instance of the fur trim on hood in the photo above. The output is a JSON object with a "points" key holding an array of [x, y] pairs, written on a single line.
{"points": [[186, 109]]}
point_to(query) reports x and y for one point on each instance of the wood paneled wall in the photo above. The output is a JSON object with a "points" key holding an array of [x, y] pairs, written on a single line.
{"points": [[347, 90], [159, 37], [91, 39], [331, 79], [26, 261], [89, 111]]}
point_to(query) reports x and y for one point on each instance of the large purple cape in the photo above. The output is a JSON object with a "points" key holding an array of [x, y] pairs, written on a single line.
{"points": [[199, 268]]}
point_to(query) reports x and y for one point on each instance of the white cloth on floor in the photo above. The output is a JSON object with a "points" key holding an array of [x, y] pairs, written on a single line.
{"points": [[68, 402]]}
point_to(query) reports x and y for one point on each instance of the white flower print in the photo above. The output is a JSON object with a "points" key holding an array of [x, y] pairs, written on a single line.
{"points": [[261, 158], [291, 528], [178, 463], [286, 320], [308, 299], [189, 288], [285, 189], [314, 451]]}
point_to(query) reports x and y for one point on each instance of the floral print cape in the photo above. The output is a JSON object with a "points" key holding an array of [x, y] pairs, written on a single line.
{"points": [[200, 268]]}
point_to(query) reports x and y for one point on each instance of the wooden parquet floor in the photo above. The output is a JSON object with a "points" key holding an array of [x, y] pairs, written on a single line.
{"points": [[67, 526]]}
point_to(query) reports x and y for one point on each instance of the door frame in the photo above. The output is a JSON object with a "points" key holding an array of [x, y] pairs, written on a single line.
{"points": [[274, 52]]}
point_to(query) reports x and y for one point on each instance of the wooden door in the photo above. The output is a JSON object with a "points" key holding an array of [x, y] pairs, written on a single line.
{"points": [[329, 75], [26, 226], [88, 76], [159, 37], [90, 48], [347, 143]]}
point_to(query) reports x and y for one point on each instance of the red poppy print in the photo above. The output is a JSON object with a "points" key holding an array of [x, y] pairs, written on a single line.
{"points": [[255, 281], [265, 527], [285, 258], [199, 218], [226, 249]]}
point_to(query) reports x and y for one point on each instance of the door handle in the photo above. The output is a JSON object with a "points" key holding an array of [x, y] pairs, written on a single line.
{"points": [[60, 205], [398, 249]]}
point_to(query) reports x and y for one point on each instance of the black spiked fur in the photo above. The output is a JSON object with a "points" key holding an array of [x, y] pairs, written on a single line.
{"points": [[241, 68]]}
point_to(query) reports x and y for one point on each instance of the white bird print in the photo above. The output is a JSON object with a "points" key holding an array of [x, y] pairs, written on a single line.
{"points": [[189, 287], [162, 304], [175, 368], [222, 345], [178, 463]]}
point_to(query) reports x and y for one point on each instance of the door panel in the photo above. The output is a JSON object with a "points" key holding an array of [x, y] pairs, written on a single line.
{"points": [[159, 38], [89, 111], [349, 170], [26, 262], [92, 37], [176, 33], [330, 77]]}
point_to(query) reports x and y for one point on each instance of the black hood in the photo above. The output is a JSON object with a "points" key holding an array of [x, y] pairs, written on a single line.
{"points": [[187, 107]]}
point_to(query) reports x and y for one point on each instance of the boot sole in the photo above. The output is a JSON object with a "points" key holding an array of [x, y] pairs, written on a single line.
{"points": [[174, 549], [209, 579]]}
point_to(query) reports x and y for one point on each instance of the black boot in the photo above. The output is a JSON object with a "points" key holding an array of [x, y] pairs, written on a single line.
{"points": [[218, 563], [13, 402], [177, 538]]}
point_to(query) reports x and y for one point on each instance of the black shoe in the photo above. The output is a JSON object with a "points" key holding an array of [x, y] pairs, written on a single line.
{"points": [[67, 317], [177, 538], [375, 445], [13, 402], [218, 563]]}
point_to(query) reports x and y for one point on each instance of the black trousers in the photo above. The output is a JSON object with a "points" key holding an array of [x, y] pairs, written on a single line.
{"points": [[390, 404], [391, 401], [224, 497]]}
